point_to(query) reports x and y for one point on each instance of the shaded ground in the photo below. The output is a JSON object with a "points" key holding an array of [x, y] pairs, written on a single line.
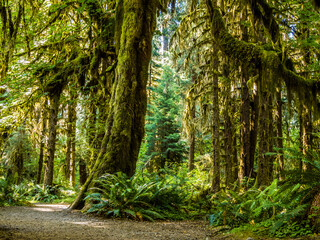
{"points": [[49, 221]]}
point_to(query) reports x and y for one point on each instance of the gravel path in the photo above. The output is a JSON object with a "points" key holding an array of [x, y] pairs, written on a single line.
{"points": [[52, 221]]}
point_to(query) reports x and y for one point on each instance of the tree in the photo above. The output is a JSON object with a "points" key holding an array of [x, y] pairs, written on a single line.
{"points": [[163, 143], [135, 25]]}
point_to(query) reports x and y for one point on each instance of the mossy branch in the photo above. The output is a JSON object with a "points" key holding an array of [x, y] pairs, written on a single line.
{"points": [[266, 16], [255, 56]]}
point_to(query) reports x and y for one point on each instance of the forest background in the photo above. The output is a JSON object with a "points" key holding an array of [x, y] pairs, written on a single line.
{"points": [[164, 109]]}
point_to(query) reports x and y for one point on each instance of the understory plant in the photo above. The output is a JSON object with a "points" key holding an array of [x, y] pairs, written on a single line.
{"points": [[275, 210], [7, 194], [282, 209], [116, 195]]}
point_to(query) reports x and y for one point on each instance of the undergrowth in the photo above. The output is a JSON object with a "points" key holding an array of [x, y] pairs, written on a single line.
{"points": [[24, 193], [282, 209], [140, 197]]}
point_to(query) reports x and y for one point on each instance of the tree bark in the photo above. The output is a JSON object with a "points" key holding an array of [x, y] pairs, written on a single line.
{"points": [[192, 139], [215, 187], [306, 134], [72, 118], [279, 139], [265, 162], [51, 142], [82, 171], [230, 143], [42, 141], [245, 169], [255, 111]]}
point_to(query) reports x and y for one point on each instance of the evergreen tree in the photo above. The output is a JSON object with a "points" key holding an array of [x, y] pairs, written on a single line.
{"points": [[163, 138]]}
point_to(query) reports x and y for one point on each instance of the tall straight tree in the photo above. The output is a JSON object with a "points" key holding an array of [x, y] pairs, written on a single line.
{"points": [[215, 187], [54, 100]]}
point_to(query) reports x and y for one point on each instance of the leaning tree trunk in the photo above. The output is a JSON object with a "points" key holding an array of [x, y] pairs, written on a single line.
{"points": [[51, 142], [135, 25]]}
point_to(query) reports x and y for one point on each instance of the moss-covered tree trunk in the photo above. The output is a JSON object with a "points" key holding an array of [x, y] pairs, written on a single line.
{"points": [[10, 26], [254, 126], [72, 118], [135, 25], [91, 130], [215, 187], [82, 171], [54, 100], [230, 146], [245, 168], [279, 136], [192, 138], [265, 161], [306, 133]]}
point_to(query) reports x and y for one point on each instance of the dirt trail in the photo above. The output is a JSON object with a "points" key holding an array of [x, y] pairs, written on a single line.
{"points": [[51, 221]]}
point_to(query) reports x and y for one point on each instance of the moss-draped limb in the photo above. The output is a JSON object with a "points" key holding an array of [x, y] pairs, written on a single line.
{"points": [[266, 16], [255, 56]]}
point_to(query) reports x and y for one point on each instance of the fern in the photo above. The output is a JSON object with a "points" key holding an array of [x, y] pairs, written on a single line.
{"points": [[120, 196]]}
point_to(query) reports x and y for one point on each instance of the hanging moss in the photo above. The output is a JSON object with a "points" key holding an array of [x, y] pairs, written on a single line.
{"points": [[257, 57]]}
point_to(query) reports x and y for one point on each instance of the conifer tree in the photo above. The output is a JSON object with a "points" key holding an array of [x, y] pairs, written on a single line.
{"points": [[164, 145]]}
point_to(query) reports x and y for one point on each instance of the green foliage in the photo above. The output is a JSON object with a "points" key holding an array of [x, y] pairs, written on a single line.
{"points": [[119, 196], [23, 193], [277, 211], [17, 155], [46, 194], [163, 137], [9, 195], [140, 197]]}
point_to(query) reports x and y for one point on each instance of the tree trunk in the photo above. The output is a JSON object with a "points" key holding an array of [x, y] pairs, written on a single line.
{"points": [[215, 187], [72, 118], [265, 163], [279, 139], [135, 25], [82, 171], [245, 166], [91, 131], [51, 142], [306, 134], [192, 139], [255, 111], [230, 146], [42, 141]]}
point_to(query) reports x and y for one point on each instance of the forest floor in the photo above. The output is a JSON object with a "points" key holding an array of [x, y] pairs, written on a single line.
{"points": [[52, 221]]}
